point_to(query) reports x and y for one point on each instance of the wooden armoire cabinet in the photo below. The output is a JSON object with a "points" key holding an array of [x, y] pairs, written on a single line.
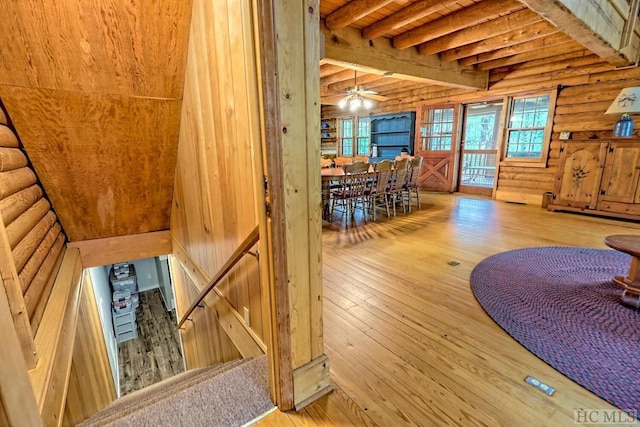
{"points": [[599, 177]]}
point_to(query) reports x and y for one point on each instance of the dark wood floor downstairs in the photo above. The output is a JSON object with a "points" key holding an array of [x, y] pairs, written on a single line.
{"points": [[408, 343], [155, 354]]}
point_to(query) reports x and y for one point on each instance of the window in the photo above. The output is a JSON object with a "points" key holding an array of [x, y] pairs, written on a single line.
{"points": [[528, 128], [346, 137], [436, 129], [354, 136]]}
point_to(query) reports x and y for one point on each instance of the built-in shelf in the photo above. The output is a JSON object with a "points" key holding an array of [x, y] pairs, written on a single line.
{"points": [[390, 133], [328, 138]]}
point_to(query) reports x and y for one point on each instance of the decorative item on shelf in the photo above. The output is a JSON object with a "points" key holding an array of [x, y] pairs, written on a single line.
{"points": [[627, 101]]}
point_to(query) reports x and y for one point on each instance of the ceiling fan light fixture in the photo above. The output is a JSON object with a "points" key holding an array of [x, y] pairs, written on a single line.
{"points": [[357, 98], [355, 103]]}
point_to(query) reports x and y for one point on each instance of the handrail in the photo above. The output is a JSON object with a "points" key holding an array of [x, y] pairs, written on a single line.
{"points": [[240, 251]]}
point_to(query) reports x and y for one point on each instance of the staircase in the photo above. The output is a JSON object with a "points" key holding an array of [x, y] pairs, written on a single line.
{"points": [[231, 394]]}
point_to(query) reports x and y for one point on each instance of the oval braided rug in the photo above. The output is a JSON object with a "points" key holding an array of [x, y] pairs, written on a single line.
{"points": [[562, 305]]}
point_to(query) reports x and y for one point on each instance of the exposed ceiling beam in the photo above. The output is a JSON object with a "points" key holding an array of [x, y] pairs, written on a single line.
{"points": [[530, 32], [568, 48], [472, 15], [347, 46], [532, 45], [404, 16], [588, 23], [502, 25], [352, 11]]}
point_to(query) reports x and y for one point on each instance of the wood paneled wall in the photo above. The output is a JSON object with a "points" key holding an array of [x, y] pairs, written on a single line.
{"points": [[215, 203], [587, 86], [91, 386], [18, 406], [229, 117], [203, 338]]}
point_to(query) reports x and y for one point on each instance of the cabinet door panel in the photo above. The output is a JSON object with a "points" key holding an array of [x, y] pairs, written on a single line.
{"points": [[578, 179], [620, 176]]}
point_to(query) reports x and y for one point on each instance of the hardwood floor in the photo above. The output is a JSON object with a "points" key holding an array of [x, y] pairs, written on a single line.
{"points": [[408, 343], [155, 354]]}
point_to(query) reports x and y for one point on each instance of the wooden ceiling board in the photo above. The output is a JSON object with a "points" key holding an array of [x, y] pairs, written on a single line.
{"points": [[366, 20], [440, 13], [547, 55], [447, 10], [523, 35], [328, 69], [106, 162], [110, 46], [529, 46]]}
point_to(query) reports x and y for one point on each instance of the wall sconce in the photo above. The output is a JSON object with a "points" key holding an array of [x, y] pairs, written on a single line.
{"points": [[627, 101]]}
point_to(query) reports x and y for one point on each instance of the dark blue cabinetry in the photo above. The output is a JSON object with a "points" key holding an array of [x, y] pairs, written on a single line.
{"points": [[390, 133]]}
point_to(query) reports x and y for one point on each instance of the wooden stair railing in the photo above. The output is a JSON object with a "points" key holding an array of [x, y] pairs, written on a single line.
{"points": [[241, 250]]}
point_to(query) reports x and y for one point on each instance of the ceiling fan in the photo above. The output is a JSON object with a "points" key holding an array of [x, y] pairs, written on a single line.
{"points": [[356, 97]]}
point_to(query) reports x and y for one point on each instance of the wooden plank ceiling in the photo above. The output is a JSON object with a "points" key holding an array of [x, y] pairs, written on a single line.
{"points": [[494, 37], [93, 90]]}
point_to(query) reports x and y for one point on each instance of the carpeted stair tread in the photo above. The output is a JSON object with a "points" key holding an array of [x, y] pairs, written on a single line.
{"points": [[182, 391], [160, 390]]}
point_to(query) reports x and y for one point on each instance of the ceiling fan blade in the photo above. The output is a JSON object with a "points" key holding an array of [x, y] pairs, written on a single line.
{"points": [[374, 96]]}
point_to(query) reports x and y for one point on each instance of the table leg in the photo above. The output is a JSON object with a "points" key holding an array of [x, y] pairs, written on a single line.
{"points": [[631, 284]]}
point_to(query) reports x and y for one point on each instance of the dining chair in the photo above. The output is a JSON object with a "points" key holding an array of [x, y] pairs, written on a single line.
{"points": [[398, 183], [415, 166], [325, 162], [361, 159], [378, 192], [351, 192], [341, 161]]}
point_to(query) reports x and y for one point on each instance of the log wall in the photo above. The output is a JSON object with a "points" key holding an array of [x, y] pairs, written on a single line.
{"points": [[31, 239], [586, 87]]}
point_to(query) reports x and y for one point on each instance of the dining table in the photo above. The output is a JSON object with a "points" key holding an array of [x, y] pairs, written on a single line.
{"points": [[332, 175]]}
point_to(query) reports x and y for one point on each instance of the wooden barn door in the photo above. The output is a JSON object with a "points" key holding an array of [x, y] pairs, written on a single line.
{"points": [[436, 136]]}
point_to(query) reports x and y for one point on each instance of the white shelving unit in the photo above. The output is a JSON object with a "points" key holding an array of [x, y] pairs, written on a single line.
{"points": [[124, 289]]}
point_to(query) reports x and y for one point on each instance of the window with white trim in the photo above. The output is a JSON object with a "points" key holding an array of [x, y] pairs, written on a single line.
{"points": [[354, 134], [528, 128]]}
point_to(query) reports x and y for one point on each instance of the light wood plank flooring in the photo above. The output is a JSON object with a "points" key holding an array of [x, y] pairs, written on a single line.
{"points": [[407, 341], [155, 354]]}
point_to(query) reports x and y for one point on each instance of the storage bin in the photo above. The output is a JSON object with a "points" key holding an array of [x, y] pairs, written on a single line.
{"points": [[124, 283], [124, 306], [121, 295]]}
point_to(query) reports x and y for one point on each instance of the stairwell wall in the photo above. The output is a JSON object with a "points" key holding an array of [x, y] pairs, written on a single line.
{"points": [[214, 205]]}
